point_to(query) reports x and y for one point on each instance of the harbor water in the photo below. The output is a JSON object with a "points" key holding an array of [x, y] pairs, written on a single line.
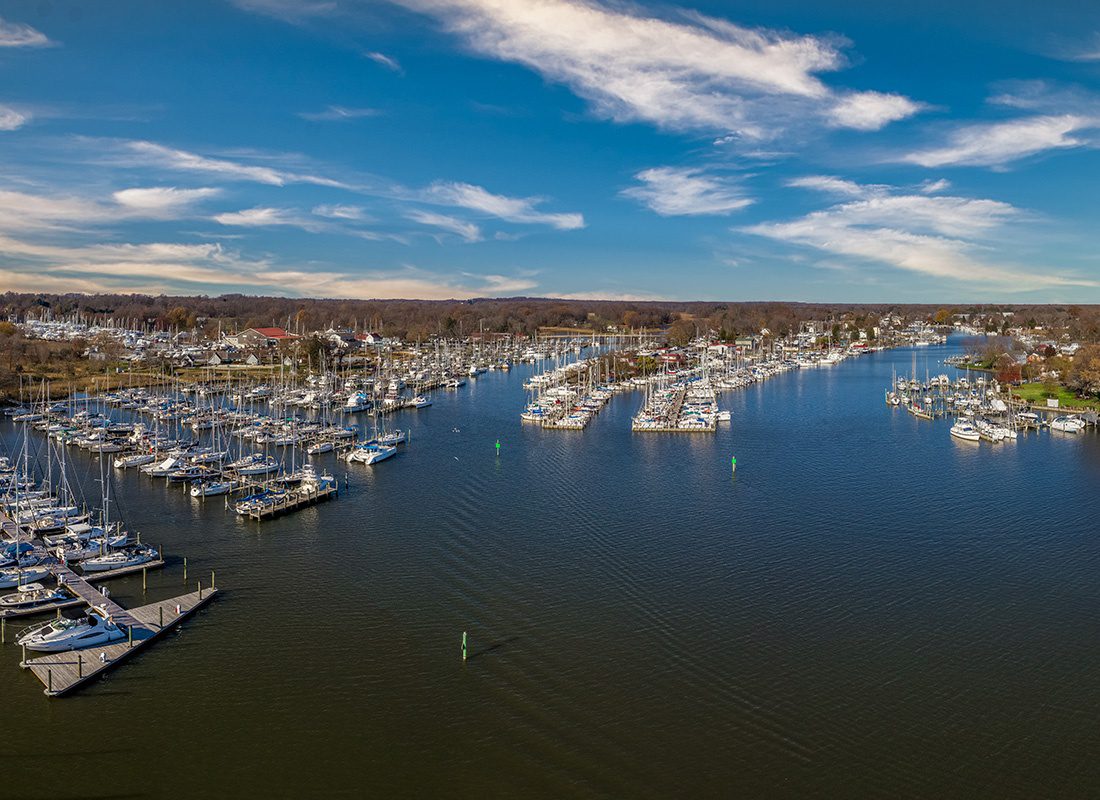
{"points": [[865, 608]]}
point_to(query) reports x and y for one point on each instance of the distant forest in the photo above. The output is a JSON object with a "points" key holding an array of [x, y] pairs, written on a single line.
{"points": [[421, 319]]}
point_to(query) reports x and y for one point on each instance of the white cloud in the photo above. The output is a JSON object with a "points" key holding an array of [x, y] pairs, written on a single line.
{"points": [[15, 34], [998, 143], [941, 237], [166, 268], [351, 213], [697, 73], [684, 191], [386, 61], [11, 120], [834, 185], [935, 187], [266, 217], [150, 154], [870, 111], [158, 201], [338, 114], [466, 230], [510, 209]]}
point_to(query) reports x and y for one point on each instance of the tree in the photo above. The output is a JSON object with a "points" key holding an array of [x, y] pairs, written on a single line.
{"points": [[681, 332], [942, 316], [1084, 375]]}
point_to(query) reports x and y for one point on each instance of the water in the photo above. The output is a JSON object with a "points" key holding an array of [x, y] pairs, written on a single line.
{"points": [[868, 608]]}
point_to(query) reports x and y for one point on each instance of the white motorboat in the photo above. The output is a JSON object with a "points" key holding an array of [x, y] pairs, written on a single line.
{"points": [[320, 447], [212, 488], [255, 465], [31, 595], [59, 635], [10, 578], [965, 431], [120, 559], [391, 438], [420, 401], [1067, 424], [371, 453]]}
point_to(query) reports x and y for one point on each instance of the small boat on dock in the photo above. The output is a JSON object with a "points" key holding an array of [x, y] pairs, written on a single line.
{"points": [[32, 595]]}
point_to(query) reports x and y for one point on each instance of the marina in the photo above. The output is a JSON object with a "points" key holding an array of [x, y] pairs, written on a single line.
{"points": [[454, 536]]}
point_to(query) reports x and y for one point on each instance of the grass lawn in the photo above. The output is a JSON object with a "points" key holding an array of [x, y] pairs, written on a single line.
{"points": [[1036, 394]]}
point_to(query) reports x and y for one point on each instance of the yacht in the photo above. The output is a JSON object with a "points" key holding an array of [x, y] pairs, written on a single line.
{"points": [[59, 635], [965, 431], [1067, 424], [371, 453]]}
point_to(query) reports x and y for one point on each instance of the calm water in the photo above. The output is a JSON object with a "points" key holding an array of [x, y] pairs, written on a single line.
{"points": [[868, 609]]}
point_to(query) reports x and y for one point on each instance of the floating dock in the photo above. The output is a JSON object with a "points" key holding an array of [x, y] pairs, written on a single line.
{"points": [[62, 673]]}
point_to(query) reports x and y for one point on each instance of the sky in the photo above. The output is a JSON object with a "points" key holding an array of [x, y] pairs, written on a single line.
{"points": [[800, 150]]}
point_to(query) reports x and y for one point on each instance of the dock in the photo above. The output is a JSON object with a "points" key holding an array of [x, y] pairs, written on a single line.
{"points": [[292, 501], [62, 673]]}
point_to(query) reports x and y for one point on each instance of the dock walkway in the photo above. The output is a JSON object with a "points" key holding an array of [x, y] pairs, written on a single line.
{"points": [[61, 673]]}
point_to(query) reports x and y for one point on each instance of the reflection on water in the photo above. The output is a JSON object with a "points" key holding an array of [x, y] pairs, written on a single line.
{"points": [[867, 608]]}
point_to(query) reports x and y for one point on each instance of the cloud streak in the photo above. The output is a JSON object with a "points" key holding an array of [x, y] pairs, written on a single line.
{"points": [[16, 34], [680, 191], [695, 74], [940, 237], [511, 209], [998, 143]]}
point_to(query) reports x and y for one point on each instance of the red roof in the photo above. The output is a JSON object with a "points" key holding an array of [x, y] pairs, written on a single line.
{"points": [[272, 333]]}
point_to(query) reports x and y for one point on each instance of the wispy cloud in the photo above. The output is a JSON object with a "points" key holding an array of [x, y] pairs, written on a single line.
{"points": [[16, 34], [344, 212], [289, 10], [941, 237], [998, 143], [167, 268], [870, 111], [466, 230], [162, 201], [511, 209], [11, 120], [685, 191], [833, 185], [267, 217], [384, 60], [696, 73], [338, 114], [151, 154]]}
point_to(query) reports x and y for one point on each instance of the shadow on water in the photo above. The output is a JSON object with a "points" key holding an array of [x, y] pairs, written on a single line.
{"points": [[496, 646]]}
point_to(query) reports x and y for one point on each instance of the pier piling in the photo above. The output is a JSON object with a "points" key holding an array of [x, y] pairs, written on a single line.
{"points": [[464, 645]]}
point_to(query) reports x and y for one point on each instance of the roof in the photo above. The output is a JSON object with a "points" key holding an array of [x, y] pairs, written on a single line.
{"points": [[271, 333]]}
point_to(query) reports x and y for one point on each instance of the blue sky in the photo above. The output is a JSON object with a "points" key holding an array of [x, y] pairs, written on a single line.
{"points": [[831, 151]]}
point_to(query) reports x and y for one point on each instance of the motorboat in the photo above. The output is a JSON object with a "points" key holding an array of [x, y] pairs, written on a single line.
{"points": [[965, 431], [371, 453], [320, 447], [212, 488], [1067, 424], [32, 595], [63, 634], [10, 578], [420, 401], [255, 465]]}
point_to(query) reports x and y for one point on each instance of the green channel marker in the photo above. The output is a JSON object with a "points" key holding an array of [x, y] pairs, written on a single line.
{"points": [[464, 645]]}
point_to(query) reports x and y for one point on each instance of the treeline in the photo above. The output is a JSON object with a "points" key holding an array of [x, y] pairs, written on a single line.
{"points": [[420, 319]]}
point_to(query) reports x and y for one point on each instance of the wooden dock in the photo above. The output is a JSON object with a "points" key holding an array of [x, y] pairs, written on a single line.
{"points": [[62, 673], [292, 502]]}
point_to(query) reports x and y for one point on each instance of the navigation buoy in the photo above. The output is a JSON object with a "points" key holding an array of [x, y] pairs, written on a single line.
{"points": [[464, 645], [733, 463], [498, 448]]}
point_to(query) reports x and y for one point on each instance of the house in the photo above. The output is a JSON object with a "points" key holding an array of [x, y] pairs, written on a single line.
{"points": [[369, 339], [262, 337]]}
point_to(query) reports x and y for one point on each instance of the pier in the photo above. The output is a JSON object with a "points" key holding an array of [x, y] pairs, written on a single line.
{"points": [[62, 673]]}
